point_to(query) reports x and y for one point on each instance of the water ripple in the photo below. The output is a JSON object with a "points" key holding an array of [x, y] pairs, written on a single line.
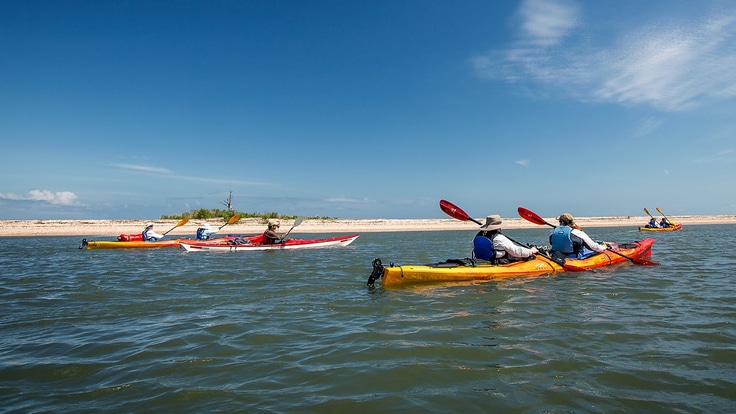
{"points": [[143, 331]]}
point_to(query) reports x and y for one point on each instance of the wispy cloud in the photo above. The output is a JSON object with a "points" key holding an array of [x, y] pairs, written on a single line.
{"points": [[647, 126], [672, 64], [143, 168], [717, 157], [171, 175], [350, 200], [65, 198], [524, 163]]}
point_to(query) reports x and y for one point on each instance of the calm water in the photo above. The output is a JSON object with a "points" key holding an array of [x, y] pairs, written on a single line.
{"points": [[298, 331]]}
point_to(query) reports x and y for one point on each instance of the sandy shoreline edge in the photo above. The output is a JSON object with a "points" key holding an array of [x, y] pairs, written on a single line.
{"points": [[111, 228]]}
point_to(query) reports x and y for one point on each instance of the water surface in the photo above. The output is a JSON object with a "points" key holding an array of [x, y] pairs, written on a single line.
{"points": [[298, 331]]}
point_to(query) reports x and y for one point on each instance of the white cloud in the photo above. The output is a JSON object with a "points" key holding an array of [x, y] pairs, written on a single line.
{"points": [[672, 64], [545, 23], [65, 198], [524, 163]]}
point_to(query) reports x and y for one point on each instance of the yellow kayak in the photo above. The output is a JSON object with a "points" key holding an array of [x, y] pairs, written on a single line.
{"points": [[676, 227], [465, 270], [137, 244]]}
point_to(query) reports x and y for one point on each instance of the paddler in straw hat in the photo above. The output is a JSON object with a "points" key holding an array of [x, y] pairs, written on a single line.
{"points": [[491, 245]]}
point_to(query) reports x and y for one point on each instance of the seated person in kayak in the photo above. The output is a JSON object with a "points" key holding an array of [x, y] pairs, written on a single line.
{"points": [[664, 223], [652, 223], [150, 235], [567, 239], [270, 236], [204, 232], [491, 245]]}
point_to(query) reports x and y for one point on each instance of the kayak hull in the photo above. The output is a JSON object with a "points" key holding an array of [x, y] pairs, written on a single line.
{"points": [[139, 244], [671, 228], [229, 245], [397, 275]]}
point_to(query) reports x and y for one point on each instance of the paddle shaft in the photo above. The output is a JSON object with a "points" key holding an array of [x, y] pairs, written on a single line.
{"points": [[180, 223], [232, 220], [665, 217], [634, 261], [296, 223]]}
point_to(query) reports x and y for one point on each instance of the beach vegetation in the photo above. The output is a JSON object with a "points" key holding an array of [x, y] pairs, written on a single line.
{"points": [[215, 213]]}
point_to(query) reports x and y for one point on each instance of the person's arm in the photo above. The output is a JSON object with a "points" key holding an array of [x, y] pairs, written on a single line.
{"points": [[151, 234], [502, 242], [592, 245]]}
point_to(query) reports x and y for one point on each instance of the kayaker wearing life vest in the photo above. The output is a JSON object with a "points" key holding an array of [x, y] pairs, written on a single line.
{"points": [[270, 236], [489, 244], [572, 242], [149, 234], [664, 223], [204, 232], [652, 223]]}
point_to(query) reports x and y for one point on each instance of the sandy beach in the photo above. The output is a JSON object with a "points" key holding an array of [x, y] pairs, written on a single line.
{"points": [[112, 228]]}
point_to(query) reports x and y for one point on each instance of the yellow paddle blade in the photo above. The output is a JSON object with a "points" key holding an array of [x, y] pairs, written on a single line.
{"points": [[233, 219], [182, 222], [646, 211]]}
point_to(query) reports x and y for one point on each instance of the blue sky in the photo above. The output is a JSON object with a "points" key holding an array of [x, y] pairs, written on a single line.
{"points": [[358, 109]]}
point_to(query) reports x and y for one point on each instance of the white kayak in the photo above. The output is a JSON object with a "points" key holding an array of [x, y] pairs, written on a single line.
{"points": [[244, 244]]}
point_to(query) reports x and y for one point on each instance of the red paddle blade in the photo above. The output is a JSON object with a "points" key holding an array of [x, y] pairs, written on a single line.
{"points": [[530, 216], [453, 210], [641, 262]]}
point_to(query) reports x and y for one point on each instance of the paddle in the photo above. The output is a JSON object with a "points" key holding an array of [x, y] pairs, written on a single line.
{"points": [[647, 211], [529, 215], [536, 219], [296, 223], [665, 217], [181, 222], [458, 213], [232, 220]]}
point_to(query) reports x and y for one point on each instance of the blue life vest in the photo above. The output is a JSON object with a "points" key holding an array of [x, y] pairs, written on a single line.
{"points": [[561, 241], [200, 234], [483, 248], [145, 236]]}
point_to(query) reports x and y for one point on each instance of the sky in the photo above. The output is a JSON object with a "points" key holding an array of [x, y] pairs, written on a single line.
{"points": [[367, 109]]}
